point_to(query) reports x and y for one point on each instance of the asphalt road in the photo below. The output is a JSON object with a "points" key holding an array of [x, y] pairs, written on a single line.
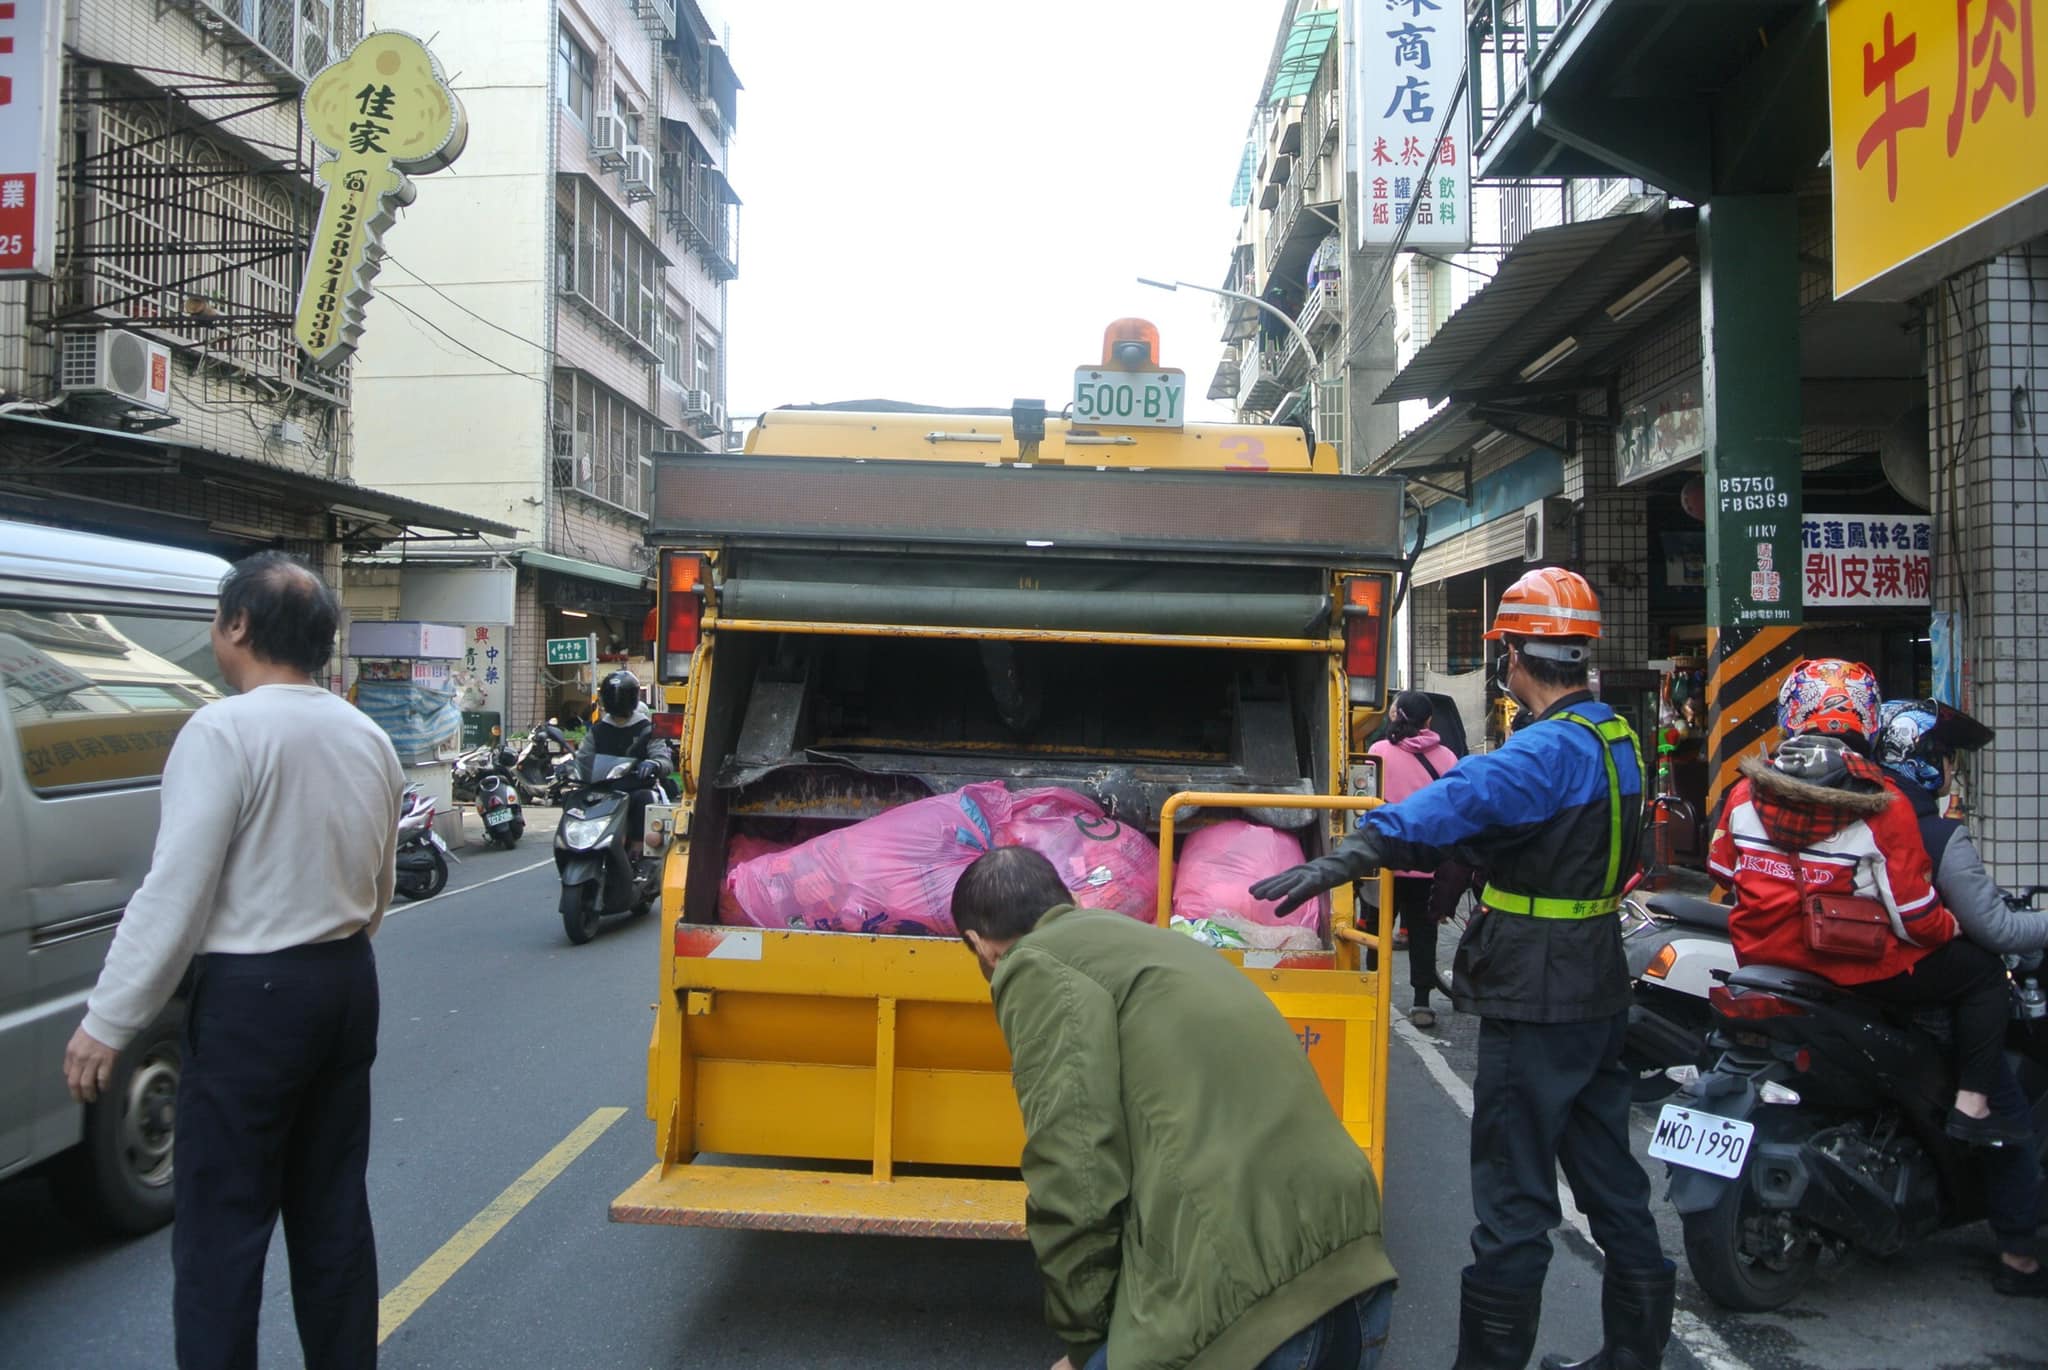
{"points": [[509, 1058]]}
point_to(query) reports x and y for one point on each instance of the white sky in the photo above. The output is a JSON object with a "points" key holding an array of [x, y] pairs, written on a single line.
{"points": [[947, 202]]}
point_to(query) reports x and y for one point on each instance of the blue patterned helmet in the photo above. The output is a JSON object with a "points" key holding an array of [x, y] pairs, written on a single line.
{"points": [[1914, 737]]}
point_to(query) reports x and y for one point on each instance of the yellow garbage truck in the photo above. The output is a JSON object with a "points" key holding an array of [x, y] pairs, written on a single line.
{"points": [[874, 604]]}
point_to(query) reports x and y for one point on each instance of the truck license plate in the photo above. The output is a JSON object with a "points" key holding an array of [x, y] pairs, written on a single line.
{"points": [[1701, 1141], [1140, 399]]}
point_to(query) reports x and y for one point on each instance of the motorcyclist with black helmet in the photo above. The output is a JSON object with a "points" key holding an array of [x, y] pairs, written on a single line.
{"points": [[624, 728], [1917, 743]]}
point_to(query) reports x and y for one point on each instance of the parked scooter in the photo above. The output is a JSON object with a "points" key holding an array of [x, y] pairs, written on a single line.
{"points": [[603, 867], [1675, 944], [422, 856], [497, 803], [469, 768], [544, 765], [1821, 1125]]}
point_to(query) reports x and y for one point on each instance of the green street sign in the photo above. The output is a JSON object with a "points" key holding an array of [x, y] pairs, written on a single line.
{"points": [[568, 651]]}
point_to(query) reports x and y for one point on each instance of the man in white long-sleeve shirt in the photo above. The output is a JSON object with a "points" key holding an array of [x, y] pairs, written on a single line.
{"points": [[273, 865]]}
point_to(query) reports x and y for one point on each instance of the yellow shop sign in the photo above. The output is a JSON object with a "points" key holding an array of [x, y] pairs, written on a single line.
{"points": [[1938, 118], [380, 112]]}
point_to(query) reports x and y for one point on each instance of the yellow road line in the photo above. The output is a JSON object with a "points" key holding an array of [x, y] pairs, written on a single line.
{"points": [[422, 1284]]}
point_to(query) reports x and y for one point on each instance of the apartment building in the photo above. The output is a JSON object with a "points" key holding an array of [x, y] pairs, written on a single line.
{"points": [[149, 382], [556, 316]]}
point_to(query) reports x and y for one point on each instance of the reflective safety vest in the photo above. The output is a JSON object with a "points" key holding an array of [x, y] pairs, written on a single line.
{"points": [[1615, 730]]}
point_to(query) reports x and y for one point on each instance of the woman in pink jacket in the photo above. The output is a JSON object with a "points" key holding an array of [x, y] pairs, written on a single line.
{"points": [[1412, 756]]}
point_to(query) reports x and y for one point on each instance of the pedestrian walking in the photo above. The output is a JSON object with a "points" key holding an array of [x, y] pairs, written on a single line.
{"points": [[1412, 756], [1194, 1201], [1552, 818], [273, 865]]}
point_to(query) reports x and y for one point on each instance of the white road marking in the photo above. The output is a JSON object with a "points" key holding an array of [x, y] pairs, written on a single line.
{"points": [[397, 908], [1698, 1338]]}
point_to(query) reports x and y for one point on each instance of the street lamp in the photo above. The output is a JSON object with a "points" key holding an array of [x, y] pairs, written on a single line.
{"points": [[1308, 350]]}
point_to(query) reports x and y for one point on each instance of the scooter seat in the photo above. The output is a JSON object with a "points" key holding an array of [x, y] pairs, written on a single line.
{"points": [[1785, 980], [1690, 910]]}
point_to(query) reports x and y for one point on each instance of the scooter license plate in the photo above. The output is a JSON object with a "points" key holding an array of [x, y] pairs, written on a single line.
{"points": [[1701, 1141], [497, 818]]}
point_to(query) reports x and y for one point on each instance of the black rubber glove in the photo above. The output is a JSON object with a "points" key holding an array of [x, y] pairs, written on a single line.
{"points": [[650, 770], [1354, 856]]}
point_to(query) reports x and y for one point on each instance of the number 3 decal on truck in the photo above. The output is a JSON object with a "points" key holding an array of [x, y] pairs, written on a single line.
{"points": [[1245, 453]]}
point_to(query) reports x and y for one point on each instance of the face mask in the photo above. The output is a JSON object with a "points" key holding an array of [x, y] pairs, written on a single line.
{"points": [[1500, 676]]}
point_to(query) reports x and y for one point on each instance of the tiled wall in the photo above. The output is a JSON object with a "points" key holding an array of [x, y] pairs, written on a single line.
{"points": [[1614, 551], [1988, 388], [523, 673]]}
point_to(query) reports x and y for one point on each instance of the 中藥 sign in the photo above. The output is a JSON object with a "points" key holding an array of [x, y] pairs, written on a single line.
{"points": [[1938, 120], [380, 112], [1409, 55], [1867, 560]]}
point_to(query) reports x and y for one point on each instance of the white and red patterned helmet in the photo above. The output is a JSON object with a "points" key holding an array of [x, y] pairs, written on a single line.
{"points": [[1829, 695]]}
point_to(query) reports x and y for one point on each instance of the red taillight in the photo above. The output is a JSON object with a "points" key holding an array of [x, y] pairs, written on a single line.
{"points": [[1749, 1005], [1364, 603], [683, 576]]}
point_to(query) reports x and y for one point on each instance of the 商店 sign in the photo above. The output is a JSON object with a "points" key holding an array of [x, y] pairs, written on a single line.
{"points": [[1868, 560], [1409, 56], [30, 45], [1938, 117]]}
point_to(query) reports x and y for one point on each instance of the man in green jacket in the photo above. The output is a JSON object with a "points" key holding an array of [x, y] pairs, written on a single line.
{"points": [[1193, 1200]]}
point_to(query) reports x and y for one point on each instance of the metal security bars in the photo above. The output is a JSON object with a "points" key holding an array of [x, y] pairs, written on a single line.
{"points": [[288, 38]]}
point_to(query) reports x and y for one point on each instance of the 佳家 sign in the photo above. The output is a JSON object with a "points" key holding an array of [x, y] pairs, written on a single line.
{"points": [[380, 112], [1938, 120], [1867, 560]]}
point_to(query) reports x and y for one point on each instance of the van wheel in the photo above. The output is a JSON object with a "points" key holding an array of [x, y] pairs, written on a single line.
{"points": [[579, 913], [118, 1179]]}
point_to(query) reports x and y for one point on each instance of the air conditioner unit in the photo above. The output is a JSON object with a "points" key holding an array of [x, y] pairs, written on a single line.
{"points": [[676, 440], [1547, 530], [111, 362], [638, 174], [696, 404], [608, 140], [718, 416]]}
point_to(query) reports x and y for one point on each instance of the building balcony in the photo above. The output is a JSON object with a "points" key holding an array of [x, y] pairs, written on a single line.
{"points": [[1258, 384], [703, 213], [289, 39], [1299, 221], [1323, 311]]}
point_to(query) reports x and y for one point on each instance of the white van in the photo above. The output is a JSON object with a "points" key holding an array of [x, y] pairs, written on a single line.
{"points": [[104, 654]]}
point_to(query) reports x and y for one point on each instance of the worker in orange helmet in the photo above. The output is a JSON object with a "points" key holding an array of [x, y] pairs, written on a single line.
{"points": [[1551, 819]]}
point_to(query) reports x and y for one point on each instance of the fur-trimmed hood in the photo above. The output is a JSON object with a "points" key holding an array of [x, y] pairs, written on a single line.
{"points": [[1864, 798], [1798, 813]]}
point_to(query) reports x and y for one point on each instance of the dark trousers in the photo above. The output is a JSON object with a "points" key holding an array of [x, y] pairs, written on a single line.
{"points": [[1411, 905], [274, 1118], [2012, 1174], [1968, 978], [1548, 1094]]}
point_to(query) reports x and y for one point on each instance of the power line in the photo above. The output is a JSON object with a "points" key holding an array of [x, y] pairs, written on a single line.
{"points": [[542, 348], [493, 361]]}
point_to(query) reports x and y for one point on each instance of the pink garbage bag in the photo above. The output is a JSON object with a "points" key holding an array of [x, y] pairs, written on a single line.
{"points": [[738, 852], [1219, 863], [1105, 864], [895, 873]]}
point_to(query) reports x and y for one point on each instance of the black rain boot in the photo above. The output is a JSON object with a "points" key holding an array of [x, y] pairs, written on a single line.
{"points": [[1635, 1321], [1496, 1327]]}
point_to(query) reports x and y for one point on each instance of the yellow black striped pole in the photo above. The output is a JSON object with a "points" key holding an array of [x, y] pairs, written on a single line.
{"points": [[1745, 667]]}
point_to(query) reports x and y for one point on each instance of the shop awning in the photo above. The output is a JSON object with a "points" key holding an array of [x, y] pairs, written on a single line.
{"points": [[584, 570], [377, 514], [1564, 290], [1438, 442]]}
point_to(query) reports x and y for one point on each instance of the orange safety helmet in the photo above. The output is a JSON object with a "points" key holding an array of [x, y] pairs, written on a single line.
{"points": [[1547, 602]]}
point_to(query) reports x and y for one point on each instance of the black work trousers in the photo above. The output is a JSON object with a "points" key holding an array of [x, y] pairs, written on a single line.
{"points": [[274, 1118], [1962, 975], [1411, 906], [1550, 1094]]}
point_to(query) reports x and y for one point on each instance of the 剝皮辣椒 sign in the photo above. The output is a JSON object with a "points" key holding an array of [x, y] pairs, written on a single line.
{"points": [[1867, 559]]}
